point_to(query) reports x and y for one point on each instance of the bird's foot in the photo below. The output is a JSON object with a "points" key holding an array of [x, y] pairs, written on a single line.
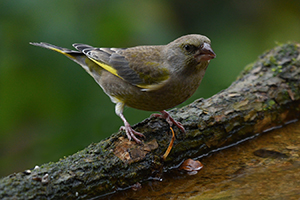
{"points": [[132, 133], [165, 115], [129, 131]]}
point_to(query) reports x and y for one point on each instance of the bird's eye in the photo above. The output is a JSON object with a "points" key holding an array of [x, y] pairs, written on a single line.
{"points": [[189, 48]]}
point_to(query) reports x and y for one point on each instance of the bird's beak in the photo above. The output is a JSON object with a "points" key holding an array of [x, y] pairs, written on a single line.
{"points": [[205, 53]]}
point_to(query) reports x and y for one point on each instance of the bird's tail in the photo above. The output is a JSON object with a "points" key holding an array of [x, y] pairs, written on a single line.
{"points": [[67, 52], [76, 56]]}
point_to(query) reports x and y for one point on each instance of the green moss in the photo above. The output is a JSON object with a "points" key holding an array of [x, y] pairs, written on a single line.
{"points": [[277, 70], [273, 60], [269, 105], [246, 70], [249, 67]]}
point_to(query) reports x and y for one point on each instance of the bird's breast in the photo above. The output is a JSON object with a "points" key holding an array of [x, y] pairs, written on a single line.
{"points": [[177, 90]]}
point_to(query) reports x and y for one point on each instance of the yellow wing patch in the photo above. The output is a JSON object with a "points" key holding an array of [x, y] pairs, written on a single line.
{"points": [[152, 87], [144, 87], [107, 67]]}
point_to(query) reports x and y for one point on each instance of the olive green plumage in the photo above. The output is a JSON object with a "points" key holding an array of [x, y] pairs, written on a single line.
{"points": [[152, 78]]}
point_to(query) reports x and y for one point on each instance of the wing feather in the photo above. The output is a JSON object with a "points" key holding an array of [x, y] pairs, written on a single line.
{"points": [[133, 65]]}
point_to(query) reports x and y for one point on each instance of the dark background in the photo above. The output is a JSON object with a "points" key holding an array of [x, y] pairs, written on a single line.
{"points": [[50, 107]]}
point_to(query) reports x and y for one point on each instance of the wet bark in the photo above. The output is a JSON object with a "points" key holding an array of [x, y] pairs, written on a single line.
{"points": [[266, 95]]}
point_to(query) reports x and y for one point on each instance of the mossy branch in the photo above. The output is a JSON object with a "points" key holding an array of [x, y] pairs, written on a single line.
{"points": [[266, 95]]}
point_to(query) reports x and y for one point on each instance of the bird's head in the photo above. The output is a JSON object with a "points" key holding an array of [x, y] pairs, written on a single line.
{"points": [[189, 50]]}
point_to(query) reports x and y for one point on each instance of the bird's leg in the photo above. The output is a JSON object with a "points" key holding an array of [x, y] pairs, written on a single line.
{"points": [[128, 129], [165, 115]]}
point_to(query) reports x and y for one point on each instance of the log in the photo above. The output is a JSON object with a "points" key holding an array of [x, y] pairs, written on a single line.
{"points": [[265, 96]]}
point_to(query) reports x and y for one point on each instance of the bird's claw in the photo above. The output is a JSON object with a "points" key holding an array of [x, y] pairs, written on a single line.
{"points": [[165, 115], [131, 133]]}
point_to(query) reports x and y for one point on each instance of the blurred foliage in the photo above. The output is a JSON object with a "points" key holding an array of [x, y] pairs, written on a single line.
{"points": [[50, 107]]}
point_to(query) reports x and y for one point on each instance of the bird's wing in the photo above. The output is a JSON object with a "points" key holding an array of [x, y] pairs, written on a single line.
{"points": [[133, 65]]}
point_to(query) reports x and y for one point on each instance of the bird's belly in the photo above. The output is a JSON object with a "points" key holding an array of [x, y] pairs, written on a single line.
{"points": [[164, 98], [157, 101], [168, 96]]}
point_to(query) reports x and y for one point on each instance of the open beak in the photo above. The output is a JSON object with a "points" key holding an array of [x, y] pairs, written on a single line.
{"points": [[205, 53]]}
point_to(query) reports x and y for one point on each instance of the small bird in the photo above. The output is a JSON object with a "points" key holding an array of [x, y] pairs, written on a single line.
{"points": [[151, 78]]}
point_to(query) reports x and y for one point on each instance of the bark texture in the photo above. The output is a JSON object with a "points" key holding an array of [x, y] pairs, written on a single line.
{"points": [[266, 95]]}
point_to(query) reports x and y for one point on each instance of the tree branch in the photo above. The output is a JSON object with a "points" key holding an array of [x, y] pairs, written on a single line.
{"points": [[266, 95]]}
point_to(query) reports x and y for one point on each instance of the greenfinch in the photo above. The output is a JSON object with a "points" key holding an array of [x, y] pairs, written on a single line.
{"points": [[151, 78]]}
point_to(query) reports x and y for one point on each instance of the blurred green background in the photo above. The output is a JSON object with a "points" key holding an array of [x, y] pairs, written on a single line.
{"points": [[50, 107]]}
